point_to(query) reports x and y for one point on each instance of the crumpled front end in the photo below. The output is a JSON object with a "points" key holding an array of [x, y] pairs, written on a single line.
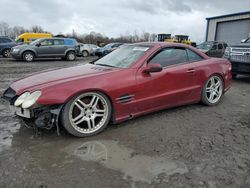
{"points": [[43, 116]]}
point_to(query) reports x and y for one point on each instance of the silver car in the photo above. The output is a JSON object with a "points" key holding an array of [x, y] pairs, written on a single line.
{"points": [[87, 49]]}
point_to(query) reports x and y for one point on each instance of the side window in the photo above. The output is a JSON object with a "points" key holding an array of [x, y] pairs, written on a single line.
{"points": [[20, 40], [70, 42], [170, 56], [47, 42], [192, 56], [5, 40], [220, 46], [58, 42], [214, 47]]}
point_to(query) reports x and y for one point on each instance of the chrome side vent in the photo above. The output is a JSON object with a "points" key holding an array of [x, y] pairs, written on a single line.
{"points": [[125, 98]]}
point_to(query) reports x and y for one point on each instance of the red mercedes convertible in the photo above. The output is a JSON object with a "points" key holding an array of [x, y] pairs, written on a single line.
{"points": [[131, 81]]}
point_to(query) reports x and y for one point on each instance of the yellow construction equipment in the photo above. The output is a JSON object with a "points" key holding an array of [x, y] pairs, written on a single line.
{"points": [[184, 39]]}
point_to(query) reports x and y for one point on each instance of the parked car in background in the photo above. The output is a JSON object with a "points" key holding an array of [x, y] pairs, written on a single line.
{"points": [[66, 48], [6, 44], [87, 49], [213, 48], [107, 49], [239, 56], [27, 38], [133, 80]]}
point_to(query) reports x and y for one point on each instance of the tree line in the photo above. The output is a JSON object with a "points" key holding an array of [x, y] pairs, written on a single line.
{"points": [[90, 38]]}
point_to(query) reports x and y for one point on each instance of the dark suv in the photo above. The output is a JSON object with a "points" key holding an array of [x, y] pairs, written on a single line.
{"points": [[213, 48], [66, 48], [6, 44], [239, 56]]}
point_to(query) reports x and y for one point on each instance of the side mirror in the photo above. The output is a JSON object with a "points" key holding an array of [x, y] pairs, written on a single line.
{"points": [[38, 44], [243, 41], [153, 68]]}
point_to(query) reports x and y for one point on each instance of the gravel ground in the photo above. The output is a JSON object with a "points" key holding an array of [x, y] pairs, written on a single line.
{"points": [[190, 146]]}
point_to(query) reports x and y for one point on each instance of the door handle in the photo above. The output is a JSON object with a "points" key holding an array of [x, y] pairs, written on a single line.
{"points": [[190, 71]]}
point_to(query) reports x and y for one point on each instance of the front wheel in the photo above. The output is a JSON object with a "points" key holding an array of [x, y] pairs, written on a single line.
{"points": [[28, 56], [213, 91], [6, 53], [86, 114], [71, 56]]}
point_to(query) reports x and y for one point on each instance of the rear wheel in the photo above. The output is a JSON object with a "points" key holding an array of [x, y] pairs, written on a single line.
{"points": [[86, 114], [85, 53], [213, 91], [6, 53], [28, 56], [71, 56]]}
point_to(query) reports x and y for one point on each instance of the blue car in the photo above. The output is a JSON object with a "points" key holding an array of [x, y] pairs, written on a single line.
{"points": [[6, 44]]}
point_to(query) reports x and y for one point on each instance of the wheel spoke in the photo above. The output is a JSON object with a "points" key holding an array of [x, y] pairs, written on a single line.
{"points": [[90, 122], [81, 105], [212, 81], [211, 97], [209, 90], [94, 101], [99, 113], [79, 119], [217, 85]]}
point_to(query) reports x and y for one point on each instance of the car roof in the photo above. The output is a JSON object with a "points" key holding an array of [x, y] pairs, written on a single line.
{"points": [[160, 44]]}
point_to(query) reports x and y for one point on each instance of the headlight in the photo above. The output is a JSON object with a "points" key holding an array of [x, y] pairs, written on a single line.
{"points": [[227, 52], [15, 50], [21, 98], [31, 99]]}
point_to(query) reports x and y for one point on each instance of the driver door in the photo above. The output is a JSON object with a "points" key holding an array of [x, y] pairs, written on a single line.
{"points": [[172, 86], [45, 48]]}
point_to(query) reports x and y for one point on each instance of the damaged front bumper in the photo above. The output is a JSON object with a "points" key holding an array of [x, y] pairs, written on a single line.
{"points": [[45, 117]]}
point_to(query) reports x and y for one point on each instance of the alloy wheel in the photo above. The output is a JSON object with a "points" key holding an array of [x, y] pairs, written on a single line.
{"points": [[6, 53], [28, 57], [88, 113], [214, 89]]}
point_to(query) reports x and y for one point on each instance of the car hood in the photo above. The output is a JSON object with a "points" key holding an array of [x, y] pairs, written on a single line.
{"points": [[204, 50], [47, 78], [20, 46], [241, 45]]}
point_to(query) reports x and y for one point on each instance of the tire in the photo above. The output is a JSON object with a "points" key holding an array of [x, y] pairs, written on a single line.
{"points": [[212, 91], [6, 53], [71, 56], [85, 53], [86, 114], [28, 56], [234, 76]]}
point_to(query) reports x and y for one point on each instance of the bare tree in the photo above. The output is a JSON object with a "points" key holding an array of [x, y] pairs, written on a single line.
{"points": [[37, 29], [4, 28]]}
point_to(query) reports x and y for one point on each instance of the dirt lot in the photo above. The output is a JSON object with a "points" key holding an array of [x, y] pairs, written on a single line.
{"points": [[191, 146]]}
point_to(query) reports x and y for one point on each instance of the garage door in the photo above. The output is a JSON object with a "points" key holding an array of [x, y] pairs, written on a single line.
{"points": [[233, 32]]}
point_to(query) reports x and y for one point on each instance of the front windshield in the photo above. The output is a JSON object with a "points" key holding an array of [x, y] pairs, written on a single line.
{"points": [[123, 57], [205, 46], [35, 41]]}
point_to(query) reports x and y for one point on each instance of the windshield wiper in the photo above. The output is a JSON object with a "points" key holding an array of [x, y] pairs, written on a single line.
{"points": [[106, 65]]}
